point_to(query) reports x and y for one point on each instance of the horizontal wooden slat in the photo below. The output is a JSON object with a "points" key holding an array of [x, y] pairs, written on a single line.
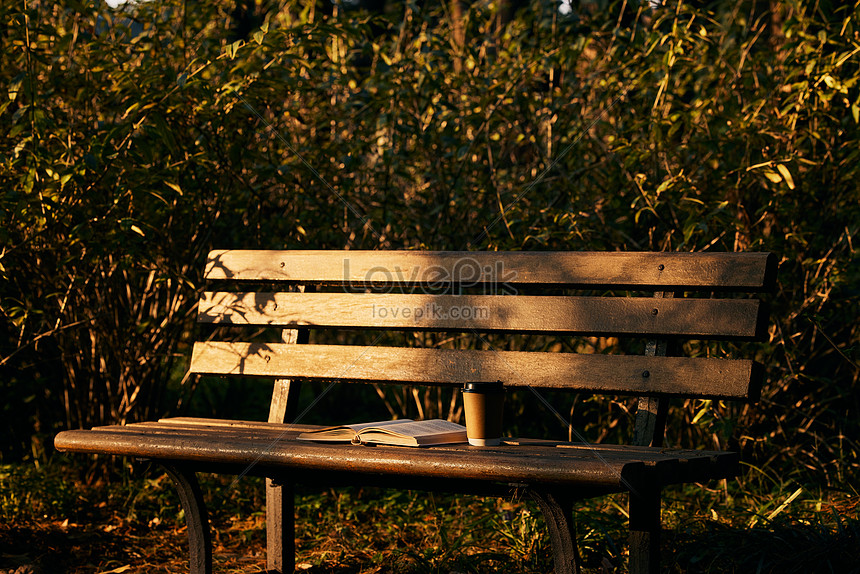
{"points": [[259, 425], [725, 318], [253, 450], [621, 374], [736, 271]]}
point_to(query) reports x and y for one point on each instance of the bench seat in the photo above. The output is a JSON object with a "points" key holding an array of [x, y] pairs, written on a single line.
{"points": [[265, 448]]}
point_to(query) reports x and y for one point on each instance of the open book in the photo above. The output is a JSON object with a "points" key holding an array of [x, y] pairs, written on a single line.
{"points": [[404, 432]]}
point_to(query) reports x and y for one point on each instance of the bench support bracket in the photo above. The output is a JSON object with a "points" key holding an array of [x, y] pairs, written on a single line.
{"points": [[196, 518], [558, 513]]}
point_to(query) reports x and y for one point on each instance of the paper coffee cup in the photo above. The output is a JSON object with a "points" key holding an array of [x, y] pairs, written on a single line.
{"points": [[483, 402]]}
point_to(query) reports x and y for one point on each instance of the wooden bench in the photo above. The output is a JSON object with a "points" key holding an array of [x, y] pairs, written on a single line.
{"points": [[652, 302]]}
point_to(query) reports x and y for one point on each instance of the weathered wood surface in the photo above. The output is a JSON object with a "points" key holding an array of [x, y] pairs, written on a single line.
{"points": [[649, 425], [275, 449], [697, 461], [621, 374], [280, 527], [200, 421], [280, 499], [736, 271], [285, 393], [700, 318]]}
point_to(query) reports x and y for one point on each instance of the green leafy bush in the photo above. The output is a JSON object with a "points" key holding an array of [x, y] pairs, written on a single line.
{"points": [[138, 140]]}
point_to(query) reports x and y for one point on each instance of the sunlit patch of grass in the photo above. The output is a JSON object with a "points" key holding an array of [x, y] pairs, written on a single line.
{"points": [[407, 531]]}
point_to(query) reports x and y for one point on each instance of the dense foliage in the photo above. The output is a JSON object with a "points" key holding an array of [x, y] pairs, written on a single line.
{"points": [[138, 139]]}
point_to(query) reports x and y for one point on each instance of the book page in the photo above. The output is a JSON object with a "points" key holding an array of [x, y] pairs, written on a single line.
{"points": [[347, 432], [414, 433], [358, 427], [421, 428], [397, 432]]}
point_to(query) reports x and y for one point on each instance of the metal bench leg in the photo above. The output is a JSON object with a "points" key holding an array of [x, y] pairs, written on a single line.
{"points": [[280, 528], [196, 518], [644, 509], [558, 515]]}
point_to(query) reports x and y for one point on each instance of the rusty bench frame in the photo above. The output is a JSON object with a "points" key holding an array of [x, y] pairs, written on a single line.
{"points": [[554, 474]]}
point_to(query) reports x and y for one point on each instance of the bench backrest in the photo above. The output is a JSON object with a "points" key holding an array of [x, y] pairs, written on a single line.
{"points": [[689, 296]]}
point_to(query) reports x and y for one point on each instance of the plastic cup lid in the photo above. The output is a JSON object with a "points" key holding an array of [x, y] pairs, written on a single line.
{"points": [[484, 387]]}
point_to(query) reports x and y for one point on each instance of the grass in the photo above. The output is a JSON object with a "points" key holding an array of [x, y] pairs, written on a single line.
{"points": [[67, 518]]}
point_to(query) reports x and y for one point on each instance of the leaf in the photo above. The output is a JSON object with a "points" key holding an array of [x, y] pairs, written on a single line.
{"points": [[130, 109], [664, 186], [772, 175], [758, 165], [834, 84], [119, 570], [786, 175], [782, 506], [234, 47], [174, 187], [702, 412], [15, 86]]}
